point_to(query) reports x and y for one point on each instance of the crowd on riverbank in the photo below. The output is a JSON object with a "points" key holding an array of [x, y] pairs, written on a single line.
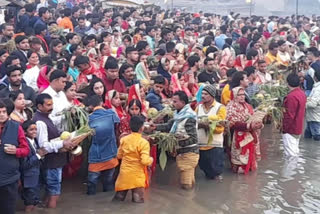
{"points": [[133, 74]]}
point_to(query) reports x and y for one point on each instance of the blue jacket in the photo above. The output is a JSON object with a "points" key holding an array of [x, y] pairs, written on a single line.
{"points": [[30, 168], [104, 142], [9, 164], [154, 100]]}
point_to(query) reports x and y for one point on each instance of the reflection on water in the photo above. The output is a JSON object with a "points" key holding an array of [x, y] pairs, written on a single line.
{"points": [[280, 185]]}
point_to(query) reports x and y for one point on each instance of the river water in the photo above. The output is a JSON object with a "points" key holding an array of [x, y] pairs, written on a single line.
{"points": [[280, 185]]}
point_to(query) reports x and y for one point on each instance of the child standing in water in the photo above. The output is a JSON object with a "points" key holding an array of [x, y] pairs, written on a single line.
{"points": [[30, 167], [134, 151]]}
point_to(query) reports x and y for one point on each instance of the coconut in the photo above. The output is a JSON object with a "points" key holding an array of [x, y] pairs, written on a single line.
{"points": [[65, 135]]}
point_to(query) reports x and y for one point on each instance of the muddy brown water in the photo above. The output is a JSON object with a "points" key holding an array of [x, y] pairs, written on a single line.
{"points": [[280, 185]]}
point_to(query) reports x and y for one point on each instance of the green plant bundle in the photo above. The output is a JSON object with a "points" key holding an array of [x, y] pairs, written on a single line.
{"points": [[166, 143], [76, 117], [270, 100]]}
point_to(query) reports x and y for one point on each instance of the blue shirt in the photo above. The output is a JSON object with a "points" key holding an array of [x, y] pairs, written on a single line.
{"points": [[104, 143], [220, 41], [154, 100]]}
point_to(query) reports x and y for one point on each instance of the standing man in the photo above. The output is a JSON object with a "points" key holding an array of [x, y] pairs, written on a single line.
{"points": [[14, 74], [262, 76], [244, 41], [211, 146], [102, 156], [66, 22], [293, 117], [13, 146], [54, 160], [210, 75], [184, 126], [58, 81], [44, 16], [22, 44], [113, 81], [313, 110], [7, 33]]}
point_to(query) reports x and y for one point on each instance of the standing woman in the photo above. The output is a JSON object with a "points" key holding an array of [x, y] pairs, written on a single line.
{"points": [[243, 147], [20, 113], [138, 92], [31, 75], [70, 91], [56, 49], [97, 87], [113, 102]]}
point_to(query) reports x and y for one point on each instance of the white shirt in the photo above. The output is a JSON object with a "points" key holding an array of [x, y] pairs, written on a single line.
{"points": [[264, 77], [30, 76], [34, 147], [52, 146], [60, 103]]}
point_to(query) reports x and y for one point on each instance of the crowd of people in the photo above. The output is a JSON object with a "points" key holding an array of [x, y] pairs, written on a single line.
{"points": [[120, 63]]}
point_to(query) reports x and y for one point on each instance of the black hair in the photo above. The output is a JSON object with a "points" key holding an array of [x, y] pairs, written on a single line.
{"points": [[73, 48], [170, 46], [81, 18], [111, 63], [251, 53], [317, 74], [136, 102], [91, 86], [261, 62], [42, 11], [4, 104], [165, 32], [182, 96], [41, 98], [281, 42], [160, 52], [67, 12], [56, 74], [70, 36], [30, 8], [136, 122], [207, 41], [20, 38], [39, 28], [293, 80], [244, 29], [14, 95], [211, 50], [149, 29], [128, 37], [207, 60], [141, 45], [93, 101], [273, 45], [13, 68], [80, 60], [75, 9], [130, 49], [123, 68], [192, 60], [68, 85], [314, 51], [26, 124], [30, 52], [250, 70], [236, 78], [159, 80]]}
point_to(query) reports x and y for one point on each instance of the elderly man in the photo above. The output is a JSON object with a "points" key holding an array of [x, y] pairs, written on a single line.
{"points": [[211, 145], [184, 126]]}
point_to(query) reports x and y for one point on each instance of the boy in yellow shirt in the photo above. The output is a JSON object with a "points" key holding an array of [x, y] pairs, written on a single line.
{"points": [[134, 151]]}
